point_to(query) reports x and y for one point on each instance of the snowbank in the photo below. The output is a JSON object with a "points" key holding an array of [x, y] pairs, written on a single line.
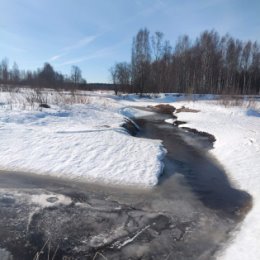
{"points": [[82, 141], [237, 130]]}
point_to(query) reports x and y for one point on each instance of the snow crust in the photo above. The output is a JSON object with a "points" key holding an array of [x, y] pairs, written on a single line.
{"points": [[80, 141]]}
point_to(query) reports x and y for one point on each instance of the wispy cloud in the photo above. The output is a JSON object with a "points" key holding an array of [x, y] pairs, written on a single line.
{"points": [[56, 57], [11, 41], [17, 49], [144, 10], [210, 4], [97, 54], [77, 45], [107, 51], [158, 5], [81, 43]]}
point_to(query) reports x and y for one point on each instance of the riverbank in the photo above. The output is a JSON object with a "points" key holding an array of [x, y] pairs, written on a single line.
{"points": [[236, 127], [237, 130], [82, 220], [84, 140]]}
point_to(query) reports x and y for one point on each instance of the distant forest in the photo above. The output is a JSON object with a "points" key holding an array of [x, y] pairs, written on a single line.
{"points": [[45, 77], [210, 64]]}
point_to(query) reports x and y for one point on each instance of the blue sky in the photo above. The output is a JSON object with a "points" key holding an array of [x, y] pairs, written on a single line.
{"points": [[94, 34]]}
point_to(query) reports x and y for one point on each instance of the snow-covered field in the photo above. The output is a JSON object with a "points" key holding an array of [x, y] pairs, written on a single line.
{"points": [[80, 141], [84, 140], [237, 130]]}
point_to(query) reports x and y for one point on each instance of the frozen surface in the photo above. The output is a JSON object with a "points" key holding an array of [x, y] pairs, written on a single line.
{"points": [[80, 141]]}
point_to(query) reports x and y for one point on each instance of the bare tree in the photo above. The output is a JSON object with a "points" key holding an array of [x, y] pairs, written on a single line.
{"points": [[156, 66], [76, 75], [245, 59], [121, 76], [4, 71], [15, 73], [255, 69], [141, 59], [46, 76], [157, 45], [113, 74], [211, 64]]}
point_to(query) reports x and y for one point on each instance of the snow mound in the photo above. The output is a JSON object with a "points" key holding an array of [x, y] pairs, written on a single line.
{"points": [[80, 142]]}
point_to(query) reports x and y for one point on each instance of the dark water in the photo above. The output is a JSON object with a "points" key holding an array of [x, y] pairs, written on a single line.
{"points": [[189, 215], [188, 154]]}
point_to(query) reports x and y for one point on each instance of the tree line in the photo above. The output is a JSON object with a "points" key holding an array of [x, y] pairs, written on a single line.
{"points": [[210, 64], [45, 77]]}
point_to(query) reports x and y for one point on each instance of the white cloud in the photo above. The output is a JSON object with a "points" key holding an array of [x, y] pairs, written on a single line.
{"points": [[81, 43], [107, 51], [56, 57]]}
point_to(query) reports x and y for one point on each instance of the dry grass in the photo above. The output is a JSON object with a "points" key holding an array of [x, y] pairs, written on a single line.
{"points": [[245, 101], [34, 98], [238, 101], [186, 109]]}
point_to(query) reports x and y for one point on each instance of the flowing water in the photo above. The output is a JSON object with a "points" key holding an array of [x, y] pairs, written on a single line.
{"points": [[189, 215]]}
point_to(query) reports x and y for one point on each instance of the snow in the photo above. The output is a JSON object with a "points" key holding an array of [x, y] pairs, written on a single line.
{"points": [[237, 148], [170, 120], [83, 142], [237, 130]]}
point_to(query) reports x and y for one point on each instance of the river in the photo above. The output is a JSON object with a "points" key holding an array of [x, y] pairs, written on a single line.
{"points": [[190, 214]]}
